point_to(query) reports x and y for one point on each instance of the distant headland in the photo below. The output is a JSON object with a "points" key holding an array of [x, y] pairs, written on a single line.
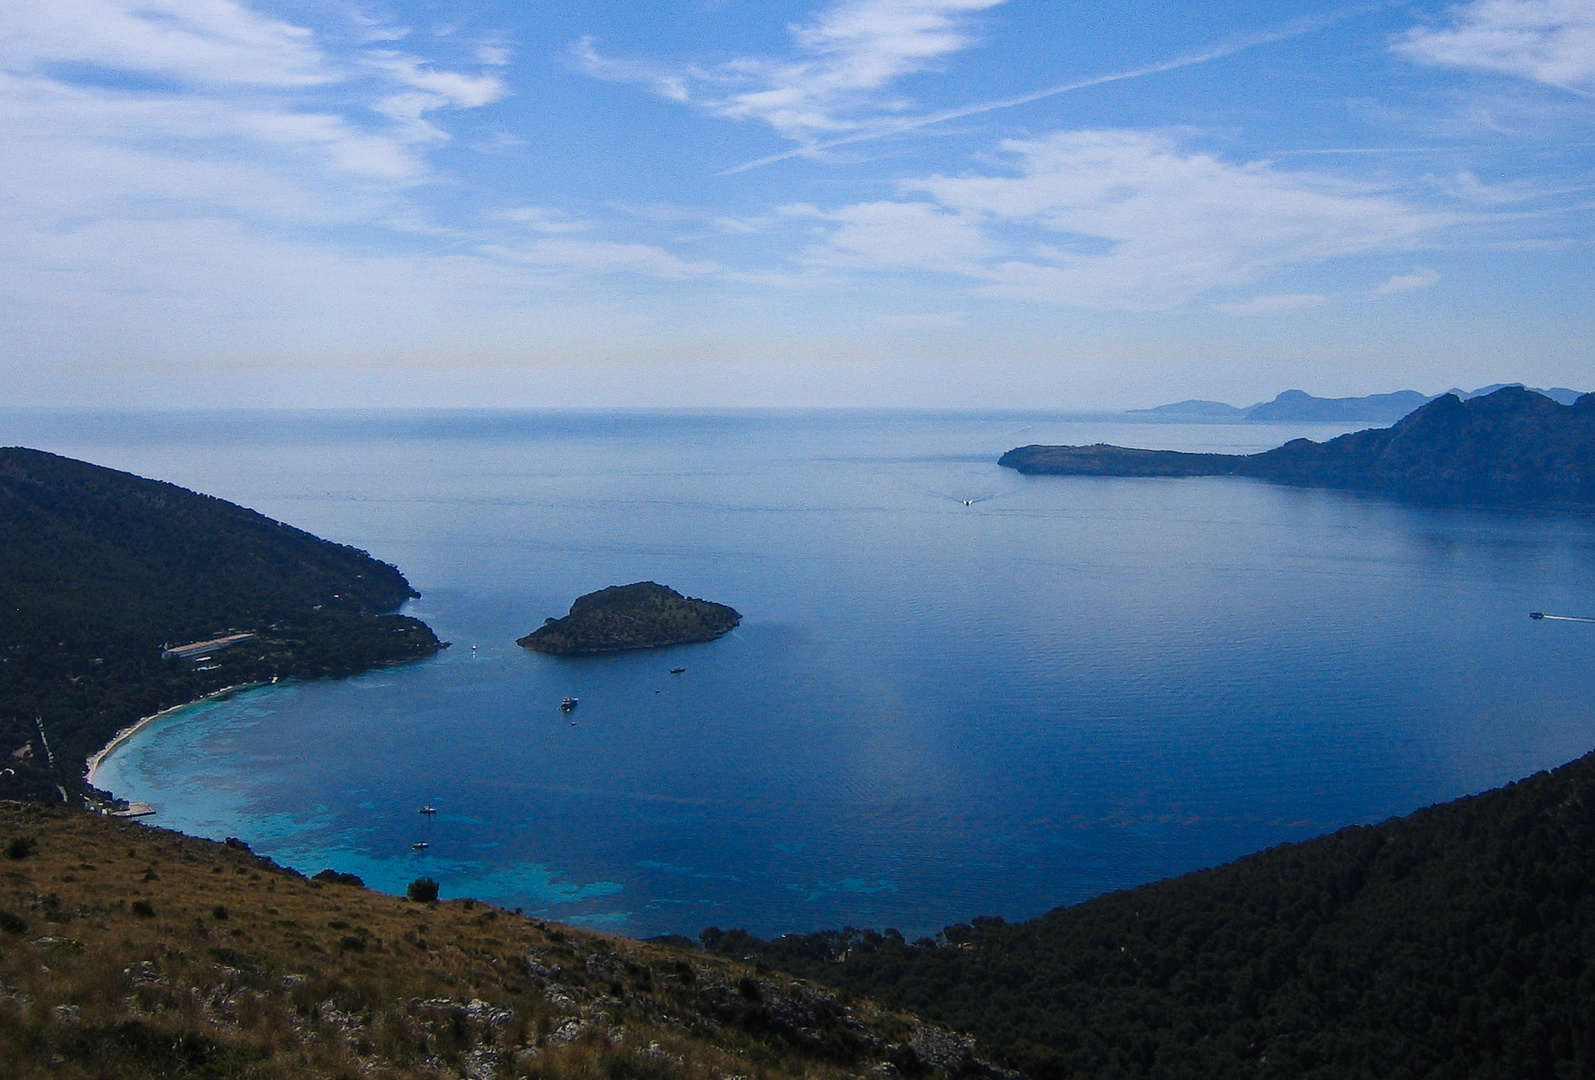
{"points": [[126, 597], [1300, 407], [1512, 446], [642, 615]]}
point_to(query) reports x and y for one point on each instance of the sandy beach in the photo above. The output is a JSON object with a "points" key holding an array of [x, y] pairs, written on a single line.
{"points": [[92, 765]]}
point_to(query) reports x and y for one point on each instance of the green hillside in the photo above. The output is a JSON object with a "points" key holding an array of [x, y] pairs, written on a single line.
{"points": [[101, 571], [1457, 942]]}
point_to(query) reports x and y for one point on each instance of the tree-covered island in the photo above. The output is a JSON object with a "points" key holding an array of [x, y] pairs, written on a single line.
{"points": [[642, 615], [121, 597]]}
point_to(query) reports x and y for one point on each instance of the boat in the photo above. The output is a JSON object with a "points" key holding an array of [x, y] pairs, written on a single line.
{"points": [[677, 670], [428, 810], [420, 845], [568, 704], [1536, 614]]}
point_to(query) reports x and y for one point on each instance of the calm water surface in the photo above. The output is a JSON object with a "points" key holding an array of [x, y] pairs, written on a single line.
{"points": [[931, 710]]}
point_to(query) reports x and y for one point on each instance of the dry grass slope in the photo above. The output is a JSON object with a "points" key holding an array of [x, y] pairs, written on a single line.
{"points": [[130, 952]]}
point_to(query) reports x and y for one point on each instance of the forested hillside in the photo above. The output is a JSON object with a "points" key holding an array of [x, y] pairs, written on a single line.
{"points": [[1457, 942], [100, 571]]}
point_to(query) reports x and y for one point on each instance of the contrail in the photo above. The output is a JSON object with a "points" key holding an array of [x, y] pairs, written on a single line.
{"points": [[1217, 52]]}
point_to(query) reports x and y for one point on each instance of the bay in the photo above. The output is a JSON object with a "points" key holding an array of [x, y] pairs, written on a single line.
{"points": [[956, 691]]}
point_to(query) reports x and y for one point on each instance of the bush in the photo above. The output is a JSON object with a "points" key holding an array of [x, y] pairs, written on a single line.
{"points": [[423, 890], [21, 847], [143, 909], [11, 924], [340, 879]]}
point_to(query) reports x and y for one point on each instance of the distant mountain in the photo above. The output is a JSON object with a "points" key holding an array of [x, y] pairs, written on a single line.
{"points": [[1195, 407], [1509, 446], [1298, 406], [1560, 394]]}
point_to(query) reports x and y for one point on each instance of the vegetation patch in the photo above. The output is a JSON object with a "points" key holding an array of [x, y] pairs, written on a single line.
{"points": [[305, 980]]}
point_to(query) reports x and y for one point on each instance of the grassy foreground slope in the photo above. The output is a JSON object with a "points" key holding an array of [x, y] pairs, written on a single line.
{"points": [[128, 952], [1456, 942], [100, 570]]}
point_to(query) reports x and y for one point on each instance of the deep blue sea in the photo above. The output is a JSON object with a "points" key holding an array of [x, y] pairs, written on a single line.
{"points": [[931, 710]]}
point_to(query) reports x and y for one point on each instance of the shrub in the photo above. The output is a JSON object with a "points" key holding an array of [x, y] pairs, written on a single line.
{"points": [[340, 879], [219, 911], [423, 890], [11, 924], [143, 909], [21, 847]]}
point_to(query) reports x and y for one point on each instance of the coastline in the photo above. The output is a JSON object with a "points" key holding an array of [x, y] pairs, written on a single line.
{"points": [[92, 763]]}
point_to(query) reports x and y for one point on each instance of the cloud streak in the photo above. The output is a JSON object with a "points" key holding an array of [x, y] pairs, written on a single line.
{"points": [[849, 56], [1549, 41], [1217, 52], [1120, 220]]}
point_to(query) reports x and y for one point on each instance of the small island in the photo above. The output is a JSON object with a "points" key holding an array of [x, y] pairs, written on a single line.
{"points": [[643, 615]]}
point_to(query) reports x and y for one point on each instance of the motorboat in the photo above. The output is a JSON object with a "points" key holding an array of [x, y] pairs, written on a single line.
{"points": [[568, 704]]}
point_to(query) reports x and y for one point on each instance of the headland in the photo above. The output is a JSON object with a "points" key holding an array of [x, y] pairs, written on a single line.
{"points": [[1510, 447]]}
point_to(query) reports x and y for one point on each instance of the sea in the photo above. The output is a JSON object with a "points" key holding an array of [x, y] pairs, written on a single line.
{"points": [[956, 691]]}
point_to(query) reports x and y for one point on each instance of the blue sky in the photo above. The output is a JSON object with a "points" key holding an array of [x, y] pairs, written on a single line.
{"points": [[717, 202]]}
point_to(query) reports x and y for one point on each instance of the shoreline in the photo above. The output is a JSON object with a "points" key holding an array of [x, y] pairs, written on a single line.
{"points": [[92, 763]]}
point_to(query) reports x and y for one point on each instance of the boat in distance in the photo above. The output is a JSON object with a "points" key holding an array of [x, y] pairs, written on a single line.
{"points": [[568, 704], [677, 670]]}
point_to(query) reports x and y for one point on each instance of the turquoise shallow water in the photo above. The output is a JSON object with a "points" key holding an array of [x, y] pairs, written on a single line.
{"points": [[931, 710]]}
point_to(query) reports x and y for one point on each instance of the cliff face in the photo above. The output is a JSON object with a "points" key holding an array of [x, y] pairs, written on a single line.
{"points": [[1511, 446], [643, 615]]}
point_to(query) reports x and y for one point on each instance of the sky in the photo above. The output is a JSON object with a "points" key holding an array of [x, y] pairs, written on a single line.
{"points": [[711, 203]]}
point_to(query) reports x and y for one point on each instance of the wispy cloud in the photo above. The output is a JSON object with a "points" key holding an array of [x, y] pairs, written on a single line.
{"points": [[216, 44], [847, 59], [544, 220], [603, 257], [1549, 41], [1400, 283], [925, 320], [189, 83], [1282, 304], [1120, 220], [904, 125]]}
